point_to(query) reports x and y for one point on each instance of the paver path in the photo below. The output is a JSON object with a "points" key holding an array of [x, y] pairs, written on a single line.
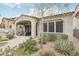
{"points": [[15, 41]]}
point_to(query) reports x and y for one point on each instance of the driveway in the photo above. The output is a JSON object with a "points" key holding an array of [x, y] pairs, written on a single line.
{"points": [[14, 42]]}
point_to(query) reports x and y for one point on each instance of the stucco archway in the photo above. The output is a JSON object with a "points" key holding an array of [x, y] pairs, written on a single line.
{"points": [[27, 20], [23, 28]]}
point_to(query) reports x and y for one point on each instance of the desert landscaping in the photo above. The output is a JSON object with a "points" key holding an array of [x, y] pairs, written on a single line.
{"points": [[44, 33], [52, 45]]}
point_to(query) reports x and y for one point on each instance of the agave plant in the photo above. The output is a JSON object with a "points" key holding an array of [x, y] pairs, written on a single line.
{"points": [[64, 46]]}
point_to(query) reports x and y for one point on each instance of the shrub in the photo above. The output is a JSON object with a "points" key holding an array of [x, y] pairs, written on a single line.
{"points": [[52, 36], [75, 53], [10, 36], [7, 52], [20, 51], [3, 38], [28, 46], [63, 36], [0, 37], [6, 37], [64, 46], [25, 48], [1, 52], [43, 37], [12, 52]]}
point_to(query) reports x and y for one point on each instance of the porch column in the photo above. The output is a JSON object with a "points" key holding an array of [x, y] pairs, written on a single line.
{"points": [[33, 29]]}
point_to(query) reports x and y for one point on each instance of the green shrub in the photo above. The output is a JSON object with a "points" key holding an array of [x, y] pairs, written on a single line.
{"points": [[63, 36], [52, 37], [0, 37], [43, 37], [3, 38], [7, 52], [20, 51], [75, 53], [29, 45], [6, 37], [10, 36], [25, 48], [1, 52], [12, 52], [64, 46]]}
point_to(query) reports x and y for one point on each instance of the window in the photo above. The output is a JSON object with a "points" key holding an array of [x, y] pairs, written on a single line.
{"points": [[59, 26], [51, 26], [44, 27]]}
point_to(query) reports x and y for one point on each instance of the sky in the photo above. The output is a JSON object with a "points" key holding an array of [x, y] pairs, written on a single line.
{"points": [[14, 10]]}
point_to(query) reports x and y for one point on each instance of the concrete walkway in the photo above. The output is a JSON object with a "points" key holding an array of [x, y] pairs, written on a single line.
{"points": [[14, 42]]}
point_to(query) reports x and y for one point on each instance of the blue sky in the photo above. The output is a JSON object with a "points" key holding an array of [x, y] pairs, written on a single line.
{"points": [[9, 10], [13, 10]]}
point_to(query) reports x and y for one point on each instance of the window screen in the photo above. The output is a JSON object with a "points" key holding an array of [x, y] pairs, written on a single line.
{"points": [[44, 27], [59, 26], [51, 26]]}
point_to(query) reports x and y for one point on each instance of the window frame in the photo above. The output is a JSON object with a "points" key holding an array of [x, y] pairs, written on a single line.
{"points": [[56, 20], [43, 27], [51, 26], [62, 28]]}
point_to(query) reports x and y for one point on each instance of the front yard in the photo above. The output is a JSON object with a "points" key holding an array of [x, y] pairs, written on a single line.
{"points": [[47, 45], [5, 37]]}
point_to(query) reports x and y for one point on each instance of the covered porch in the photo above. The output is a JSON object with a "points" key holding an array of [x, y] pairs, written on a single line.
{"points": [[25, 27]]}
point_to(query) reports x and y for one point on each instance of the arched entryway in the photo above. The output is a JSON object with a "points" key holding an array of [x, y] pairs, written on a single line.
{"points": [[27, 26], [23, 28]]}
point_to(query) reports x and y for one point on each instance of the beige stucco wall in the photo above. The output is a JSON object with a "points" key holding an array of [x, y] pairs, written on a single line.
{"points": [[67, 24]]}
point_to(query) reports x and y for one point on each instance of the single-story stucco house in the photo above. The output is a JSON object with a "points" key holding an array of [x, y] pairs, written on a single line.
{"points": [[26, 25], [33, 26]]}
